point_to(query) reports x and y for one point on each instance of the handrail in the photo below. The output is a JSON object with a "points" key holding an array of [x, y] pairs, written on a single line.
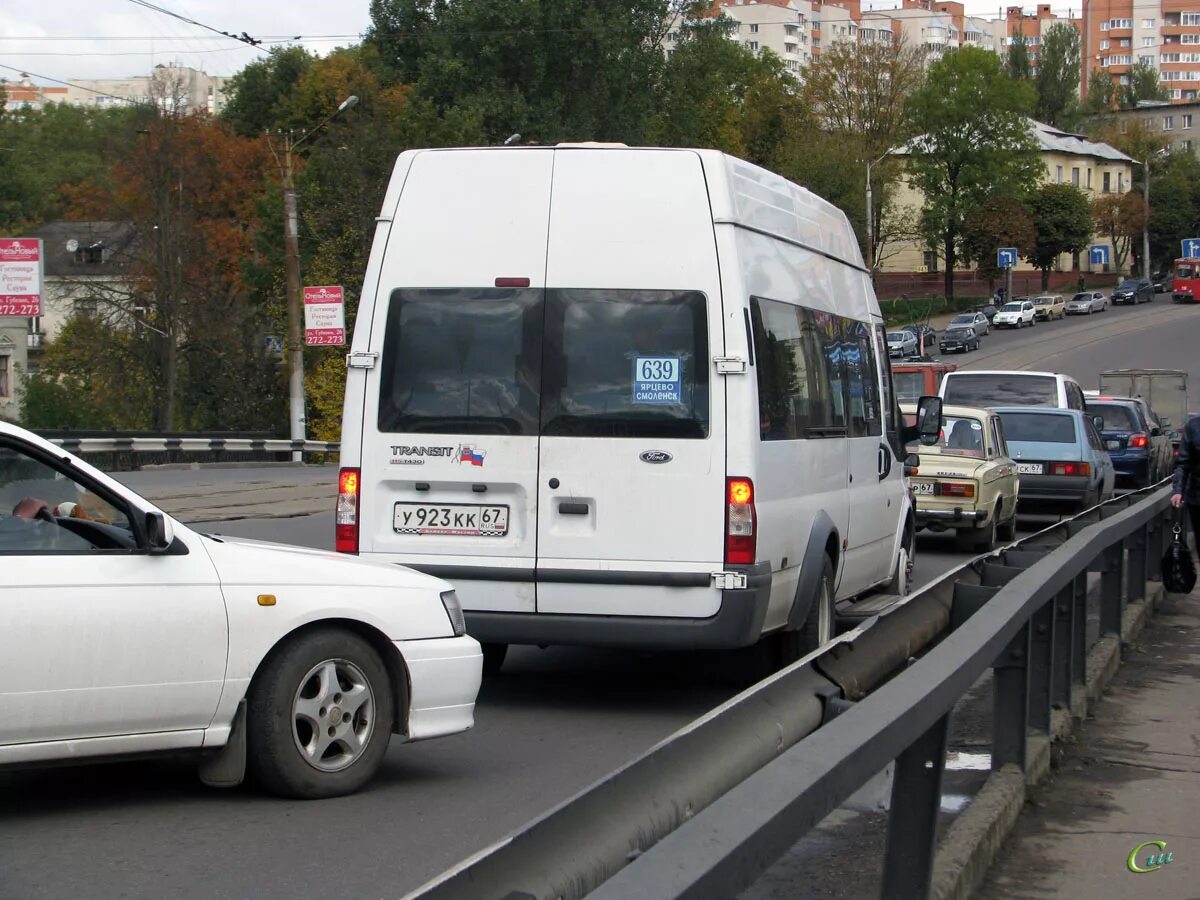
{"points": [[698, 817], [190, 444]]}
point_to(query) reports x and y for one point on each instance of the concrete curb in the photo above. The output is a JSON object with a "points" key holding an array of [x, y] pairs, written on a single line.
{"points": [[974, 839]]}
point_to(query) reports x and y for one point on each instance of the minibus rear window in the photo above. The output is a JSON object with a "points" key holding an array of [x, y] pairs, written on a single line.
{"points": [[625, 363], [461, 361], [1001, 389]]}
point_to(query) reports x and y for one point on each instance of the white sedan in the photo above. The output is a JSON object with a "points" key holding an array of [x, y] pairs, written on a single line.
{"points": [[123, 632], [1016, 314]]}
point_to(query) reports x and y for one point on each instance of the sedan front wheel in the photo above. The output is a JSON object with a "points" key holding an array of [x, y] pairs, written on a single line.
{"points": [[320, 716]]}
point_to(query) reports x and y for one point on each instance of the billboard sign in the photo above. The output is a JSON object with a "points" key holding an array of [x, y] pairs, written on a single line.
{"points": [[21, 276], [324, 316]]}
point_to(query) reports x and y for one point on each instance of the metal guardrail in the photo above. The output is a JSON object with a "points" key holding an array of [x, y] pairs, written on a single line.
{"points": [[705, 812], [190, 445]]}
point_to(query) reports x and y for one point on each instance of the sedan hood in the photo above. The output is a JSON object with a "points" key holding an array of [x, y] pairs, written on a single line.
{"points": [[244, 560]]}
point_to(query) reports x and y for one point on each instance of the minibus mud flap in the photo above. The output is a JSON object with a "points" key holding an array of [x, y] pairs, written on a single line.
{"points": [[812, 567]]}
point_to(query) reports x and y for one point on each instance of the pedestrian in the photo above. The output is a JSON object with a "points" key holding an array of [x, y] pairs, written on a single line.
{"points": [[1080, 283], [1186, 484]]}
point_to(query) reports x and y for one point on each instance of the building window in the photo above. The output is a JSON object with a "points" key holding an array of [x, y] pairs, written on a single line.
{"points": [[754, 29], [1089, 178], [1148, 23], [1146, 60], [1168, 123], [1185, 145], [930, 260], [86, 306], [1147, 42], [5, 376], [1124, 42], [1059, 174], [1190, 18], [1187, 120], [1104, 45], [1075, 175], [753, 45], [1107, 188]]}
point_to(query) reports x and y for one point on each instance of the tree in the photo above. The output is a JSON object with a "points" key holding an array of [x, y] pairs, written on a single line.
{"points": [[1058, 74], [1002, 221], [859, 93], [1121, 218], [1176, 201], [258, 94], [1017, 61], [1102, 95], [1062, 220], [1144, 84], [975, 143]]}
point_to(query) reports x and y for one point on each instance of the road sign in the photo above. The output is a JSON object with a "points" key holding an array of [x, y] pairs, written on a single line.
{"points": [[273, 344], [324, 316], [1006, 258], [1191, 248], [1099, 254], [21, 276]]}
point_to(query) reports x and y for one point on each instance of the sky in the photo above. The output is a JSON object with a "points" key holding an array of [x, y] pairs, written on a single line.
{"points": [[70, 39]]}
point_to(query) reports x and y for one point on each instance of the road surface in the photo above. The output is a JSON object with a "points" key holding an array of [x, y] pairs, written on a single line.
{"points": [[553, 721]]}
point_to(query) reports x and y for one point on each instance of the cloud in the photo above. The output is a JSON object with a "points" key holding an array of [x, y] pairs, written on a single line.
{"points": [[118, 39]]}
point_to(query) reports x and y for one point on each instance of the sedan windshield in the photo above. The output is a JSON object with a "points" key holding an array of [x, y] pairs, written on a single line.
{"points": [[958, 437], [898, 337], [959, 333], [1081, 298], [1128, 286]]}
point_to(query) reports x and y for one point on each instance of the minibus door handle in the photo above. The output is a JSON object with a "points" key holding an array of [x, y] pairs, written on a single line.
{"points": [[885, 461]]}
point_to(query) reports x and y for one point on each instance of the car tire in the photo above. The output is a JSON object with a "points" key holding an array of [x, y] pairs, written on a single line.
{"points": [[303, 685], [902, 577], [493, 658], [979, 540], [1090, 499]]}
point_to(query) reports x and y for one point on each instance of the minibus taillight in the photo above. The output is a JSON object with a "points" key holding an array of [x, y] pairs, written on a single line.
{"points": [[739, 522], [346, 516]]}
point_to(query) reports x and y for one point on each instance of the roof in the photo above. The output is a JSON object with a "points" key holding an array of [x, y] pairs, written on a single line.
{"points": [[67, 245], [1051, 140]]}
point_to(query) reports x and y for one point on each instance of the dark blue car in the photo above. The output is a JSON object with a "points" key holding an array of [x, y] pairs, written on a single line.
{"points": [[1139, 448]]}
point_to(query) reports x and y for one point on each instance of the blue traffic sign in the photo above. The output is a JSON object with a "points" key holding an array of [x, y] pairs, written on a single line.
{"points": [[1099, 254], [1191, 248], [1006, 258]]}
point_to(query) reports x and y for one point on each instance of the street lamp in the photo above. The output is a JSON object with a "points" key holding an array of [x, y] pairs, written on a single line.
{"points": [[291, 240], [1146, 216], [871, 214]]}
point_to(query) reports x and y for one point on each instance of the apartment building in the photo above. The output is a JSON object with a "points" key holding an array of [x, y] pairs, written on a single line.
{"points": [[1165, 34], [785, 27], [1178, 123], [182, 87]]}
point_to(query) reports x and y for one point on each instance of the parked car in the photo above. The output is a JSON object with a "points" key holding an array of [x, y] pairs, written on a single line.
{"points": [[1087, 302], [976, 320], [1016, 314], [546, 426], [1049, 306], [1060, 457], [127, 632], [901, 343], [1140, 449], [989, 311], [925, 332], [1133, 291], [913, 380], [959, 339], [988, 388], [1164, 283], [966, 482]]}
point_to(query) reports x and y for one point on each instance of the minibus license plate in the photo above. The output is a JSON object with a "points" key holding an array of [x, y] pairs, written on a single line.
{"points": [[1030, 468], [465, 519], [923, 488]]}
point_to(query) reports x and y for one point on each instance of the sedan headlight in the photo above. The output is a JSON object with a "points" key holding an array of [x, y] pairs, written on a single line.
{"points": [[455, 612]]}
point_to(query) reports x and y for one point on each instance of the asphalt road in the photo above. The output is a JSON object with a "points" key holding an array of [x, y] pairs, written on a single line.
{"points": [[553, 721]]}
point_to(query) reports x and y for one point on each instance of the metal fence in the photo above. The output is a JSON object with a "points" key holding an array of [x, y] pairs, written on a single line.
{"points": [[124, 451], [704, 813]]}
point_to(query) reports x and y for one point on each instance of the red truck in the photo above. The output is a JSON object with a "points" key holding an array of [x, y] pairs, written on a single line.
{"points": [[918, 379]]}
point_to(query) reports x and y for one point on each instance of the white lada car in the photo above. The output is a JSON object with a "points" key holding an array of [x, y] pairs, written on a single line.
{"points": [[122, 632]]}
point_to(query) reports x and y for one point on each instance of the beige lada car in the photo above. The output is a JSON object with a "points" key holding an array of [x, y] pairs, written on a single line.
{"points": [[966, 482]]}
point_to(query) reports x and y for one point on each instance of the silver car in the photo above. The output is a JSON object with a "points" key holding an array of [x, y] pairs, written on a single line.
{"points": [[901, 343], [1087, 302], [976, 320]]}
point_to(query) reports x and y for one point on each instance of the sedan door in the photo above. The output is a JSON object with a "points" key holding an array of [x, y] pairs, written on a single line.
{"points": [[99, 637]]}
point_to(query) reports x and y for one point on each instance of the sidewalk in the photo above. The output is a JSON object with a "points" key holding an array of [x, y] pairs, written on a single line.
{"points": [[1132, 776]]}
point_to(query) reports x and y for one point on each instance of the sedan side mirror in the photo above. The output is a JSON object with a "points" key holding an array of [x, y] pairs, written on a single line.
{"points": [[158, 537], [929, 420]]}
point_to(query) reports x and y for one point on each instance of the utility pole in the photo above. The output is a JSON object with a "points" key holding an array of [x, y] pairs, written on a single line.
{"points": [[295, 311], [871, 216], [295, 305], [1146, 221]]}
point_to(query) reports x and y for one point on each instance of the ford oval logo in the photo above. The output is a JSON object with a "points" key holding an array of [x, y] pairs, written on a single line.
{"points": [[655, 456]]}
